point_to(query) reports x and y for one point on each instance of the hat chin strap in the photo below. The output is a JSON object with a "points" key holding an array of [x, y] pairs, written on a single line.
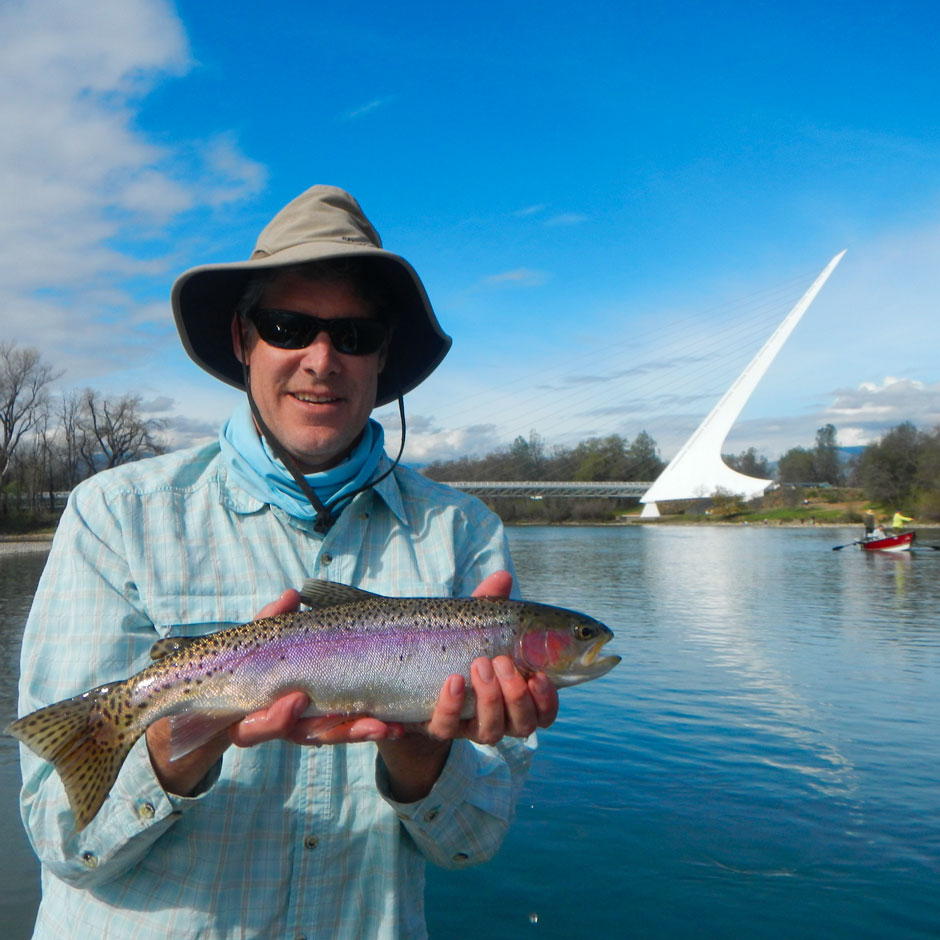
{"points": [[325, 518]]}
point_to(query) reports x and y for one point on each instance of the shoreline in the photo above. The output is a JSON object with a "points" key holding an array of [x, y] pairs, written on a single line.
{"points": [[17, 544]]}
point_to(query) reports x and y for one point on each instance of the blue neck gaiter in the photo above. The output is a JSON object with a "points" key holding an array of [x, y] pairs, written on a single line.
{"points": [[257, 470]]}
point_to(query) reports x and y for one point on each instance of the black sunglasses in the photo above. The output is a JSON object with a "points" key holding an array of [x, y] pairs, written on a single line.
{"points": [[285, 329]]}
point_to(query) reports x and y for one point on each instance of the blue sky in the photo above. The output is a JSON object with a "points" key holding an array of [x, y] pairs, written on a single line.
{"points": [[611, 205]]}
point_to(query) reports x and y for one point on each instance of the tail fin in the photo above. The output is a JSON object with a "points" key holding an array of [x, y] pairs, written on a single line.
{"points": [[84, 742]]}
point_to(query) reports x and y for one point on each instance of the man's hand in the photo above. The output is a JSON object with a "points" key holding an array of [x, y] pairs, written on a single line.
{"points": [[183, 776], [506, 704]]}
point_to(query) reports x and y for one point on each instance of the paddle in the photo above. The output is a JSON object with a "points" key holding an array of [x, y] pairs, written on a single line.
{"points": [[838, 548]]}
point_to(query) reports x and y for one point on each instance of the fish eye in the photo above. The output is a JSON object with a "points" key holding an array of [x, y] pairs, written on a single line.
{"points": [[585, 631]]}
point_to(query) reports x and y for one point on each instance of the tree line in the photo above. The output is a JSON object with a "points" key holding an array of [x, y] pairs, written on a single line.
{"points": [[49, 442], [899, 471]]}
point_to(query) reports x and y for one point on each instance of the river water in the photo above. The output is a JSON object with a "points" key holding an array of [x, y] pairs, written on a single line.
{"points": [[765, 762]]}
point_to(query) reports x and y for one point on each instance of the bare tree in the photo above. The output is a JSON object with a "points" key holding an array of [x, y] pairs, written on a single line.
{"points": [[71, 435], [114, 431], [24, 378]]}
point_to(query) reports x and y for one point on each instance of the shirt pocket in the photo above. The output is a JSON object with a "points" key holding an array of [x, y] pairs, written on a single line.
{"points": [[196, 614]]}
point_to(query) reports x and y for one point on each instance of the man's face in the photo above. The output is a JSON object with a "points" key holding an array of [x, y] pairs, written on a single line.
{"points": [[315, 400]]}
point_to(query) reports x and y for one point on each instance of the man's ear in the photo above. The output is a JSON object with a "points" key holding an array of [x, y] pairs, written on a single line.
{"points": [[237, 330]]}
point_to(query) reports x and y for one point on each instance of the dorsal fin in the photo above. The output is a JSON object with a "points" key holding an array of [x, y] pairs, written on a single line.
{"points": [[316, 593], [170, 644]]}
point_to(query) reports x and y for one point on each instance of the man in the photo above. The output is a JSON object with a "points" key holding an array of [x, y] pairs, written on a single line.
{"points": [[279, 840], [899, 521]]}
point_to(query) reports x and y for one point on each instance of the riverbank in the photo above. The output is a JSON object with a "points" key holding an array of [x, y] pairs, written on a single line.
{"points": [[31, 542]]}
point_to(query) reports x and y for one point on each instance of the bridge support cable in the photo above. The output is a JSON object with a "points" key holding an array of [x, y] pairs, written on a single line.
{"points": [[697, 470]]}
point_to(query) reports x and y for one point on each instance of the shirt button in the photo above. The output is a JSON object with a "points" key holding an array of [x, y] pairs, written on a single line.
{"points": [[146, 811], [311, 842], [461, 857], [90, 859], [363, 516], [300, 936], [326, 558], [431, 815]]}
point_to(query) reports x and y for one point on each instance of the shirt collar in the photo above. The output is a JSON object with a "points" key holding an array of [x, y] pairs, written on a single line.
{"points": [[236, 499]]}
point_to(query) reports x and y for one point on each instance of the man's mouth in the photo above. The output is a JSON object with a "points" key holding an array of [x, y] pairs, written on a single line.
{"points": [[311, 399]]}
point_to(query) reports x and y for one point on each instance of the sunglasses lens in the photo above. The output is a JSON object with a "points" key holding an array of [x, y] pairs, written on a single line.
{"points": [[282, 329], [356, 337], [353, 336]]}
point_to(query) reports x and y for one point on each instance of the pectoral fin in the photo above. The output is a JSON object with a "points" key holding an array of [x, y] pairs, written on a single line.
{"points": [[193, 729]]}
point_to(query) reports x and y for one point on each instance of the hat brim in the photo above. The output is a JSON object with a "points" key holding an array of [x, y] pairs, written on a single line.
{"points": [[204, 299]]}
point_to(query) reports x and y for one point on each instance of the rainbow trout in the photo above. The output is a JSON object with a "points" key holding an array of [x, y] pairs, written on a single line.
{"points": [[352, 653]]}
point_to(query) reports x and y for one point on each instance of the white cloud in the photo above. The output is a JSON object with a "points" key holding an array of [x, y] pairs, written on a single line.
{"points": [[873, 409], [519, 277], [365, 109], [530, 210], [89, 200], [566, 218], [428, 442]]}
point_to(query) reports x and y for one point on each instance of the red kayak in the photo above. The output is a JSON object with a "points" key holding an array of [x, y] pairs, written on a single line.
{"points": [[889, 543]]}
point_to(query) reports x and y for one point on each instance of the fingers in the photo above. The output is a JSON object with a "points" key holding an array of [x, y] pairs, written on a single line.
{"points": [[490, 720], [338, 729], [498, 584], [507, 704], [445, 722], [282, 719], [545, 699], [287, 602], [275, 721], [522, 710], [504, 704]]}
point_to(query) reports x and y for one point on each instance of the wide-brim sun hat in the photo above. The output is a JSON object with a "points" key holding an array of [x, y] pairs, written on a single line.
{"points": [[322, 223]]}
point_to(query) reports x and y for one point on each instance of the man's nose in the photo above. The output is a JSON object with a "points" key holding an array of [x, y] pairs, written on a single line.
{"points": [[320, 356]]}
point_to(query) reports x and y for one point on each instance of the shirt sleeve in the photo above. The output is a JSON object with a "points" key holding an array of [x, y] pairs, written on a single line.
{"points": [[463, 820], [87, 627]]}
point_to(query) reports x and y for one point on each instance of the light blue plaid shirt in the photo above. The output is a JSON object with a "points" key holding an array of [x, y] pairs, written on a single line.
{"points": [[284, 841]]}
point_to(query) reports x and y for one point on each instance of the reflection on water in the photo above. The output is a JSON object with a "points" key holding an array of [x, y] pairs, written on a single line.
{"points": [[19, 871], [763, 762]]}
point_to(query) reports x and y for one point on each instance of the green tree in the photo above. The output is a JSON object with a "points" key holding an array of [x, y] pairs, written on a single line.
{"points": [[749, 462], [888, 469], [796, 466], [527, 458], [642, 459], [600, 458], [827, 465]]}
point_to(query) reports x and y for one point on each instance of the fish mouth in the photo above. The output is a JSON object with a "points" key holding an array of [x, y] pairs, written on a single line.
{"points": [[604, 664], [591, 665], [600, 664], [590, 657]]}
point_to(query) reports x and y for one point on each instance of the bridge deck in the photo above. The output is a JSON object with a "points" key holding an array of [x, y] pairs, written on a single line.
{"points": [[538, 489]]}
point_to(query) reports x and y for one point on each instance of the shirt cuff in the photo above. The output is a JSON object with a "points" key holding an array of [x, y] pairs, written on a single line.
{"points": [[139, 789], [448, 791]]}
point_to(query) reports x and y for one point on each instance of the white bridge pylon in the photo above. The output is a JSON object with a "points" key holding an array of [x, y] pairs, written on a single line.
{"points": [[697, 470]]}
